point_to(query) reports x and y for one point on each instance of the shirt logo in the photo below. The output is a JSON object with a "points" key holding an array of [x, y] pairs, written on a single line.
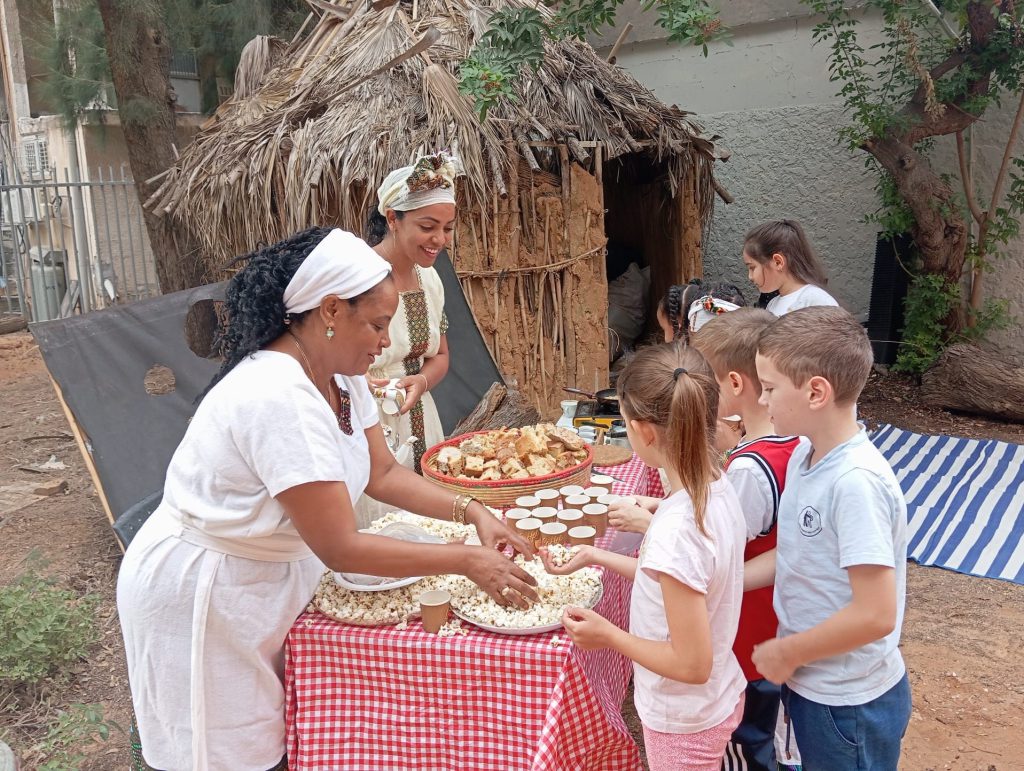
{"points": [[810, 522]]}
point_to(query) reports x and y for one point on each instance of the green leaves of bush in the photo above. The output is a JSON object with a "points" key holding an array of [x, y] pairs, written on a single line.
{"points": [[46, 627]]}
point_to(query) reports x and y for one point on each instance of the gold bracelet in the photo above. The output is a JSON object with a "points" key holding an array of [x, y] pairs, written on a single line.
{"points": [[459, 509], [466, 500], [426, 383]]}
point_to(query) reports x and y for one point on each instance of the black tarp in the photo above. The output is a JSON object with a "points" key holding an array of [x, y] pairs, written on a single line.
{"points": [[100, 361]]}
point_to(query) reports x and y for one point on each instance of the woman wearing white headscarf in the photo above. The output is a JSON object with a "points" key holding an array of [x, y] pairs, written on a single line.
{"points": [[413, 222], [259, 498]]}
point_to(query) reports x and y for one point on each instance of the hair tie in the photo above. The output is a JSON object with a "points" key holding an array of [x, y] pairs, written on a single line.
{"points": [[679, 371]]}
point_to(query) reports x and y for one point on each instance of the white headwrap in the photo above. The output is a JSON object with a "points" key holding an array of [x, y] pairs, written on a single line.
{"points": [[705, 308], [429, 181], [341, 264]]}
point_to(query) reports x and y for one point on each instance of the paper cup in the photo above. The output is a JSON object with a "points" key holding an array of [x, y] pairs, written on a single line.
{"points": [[545, 513], [565, 492], [596, 515], [570, 517], [434, 606], [529, 529], [527, 502], [514, 515], [609, 499], [583, 535], [601, 480], [596, 492], [547, 497], [576, 501], [552, 533]]}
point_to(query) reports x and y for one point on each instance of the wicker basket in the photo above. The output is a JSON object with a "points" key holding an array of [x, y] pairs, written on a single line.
{"points": [[502, 493]]}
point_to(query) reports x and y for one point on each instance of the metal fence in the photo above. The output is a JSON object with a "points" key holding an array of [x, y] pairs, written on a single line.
{"points": [[69, 246]]}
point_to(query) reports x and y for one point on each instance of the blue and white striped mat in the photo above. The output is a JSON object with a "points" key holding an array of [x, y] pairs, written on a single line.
{"points": [[965, 501]]}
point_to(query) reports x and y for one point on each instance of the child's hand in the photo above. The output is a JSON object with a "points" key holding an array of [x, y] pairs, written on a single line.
{"points": [[627, 515], [588, 630], [771, 661], [580, 559]]}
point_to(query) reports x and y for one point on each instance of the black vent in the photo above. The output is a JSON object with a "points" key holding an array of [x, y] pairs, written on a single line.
{"points": [[888, 291]]}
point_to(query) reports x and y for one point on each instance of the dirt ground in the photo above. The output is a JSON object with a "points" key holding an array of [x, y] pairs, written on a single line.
{"points": [[962, 636]]}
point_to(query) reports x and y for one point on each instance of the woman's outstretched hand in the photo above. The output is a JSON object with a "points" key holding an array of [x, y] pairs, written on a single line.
{"points": [[494, 533], [581, 559], [501, 578]]}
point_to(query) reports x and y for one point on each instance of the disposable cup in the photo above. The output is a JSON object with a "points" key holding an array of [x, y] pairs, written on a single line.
{"points": [[583, 535], [596, 492], [596, 515], [570, 517], [576, 501], [565, 492], [547, 497], [527, 502], [552, 533], [529, 529], [434, 606], [545, 513], [601, 480], [514, 515], [609, 499]]}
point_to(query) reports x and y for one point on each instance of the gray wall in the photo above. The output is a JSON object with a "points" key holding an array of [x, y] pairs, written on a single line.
{"points": [[769, 97]]}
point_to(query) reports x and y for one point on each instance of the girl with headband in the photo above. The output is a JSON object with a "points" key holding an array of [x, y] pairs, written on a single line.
{"points": [[259, 498]]}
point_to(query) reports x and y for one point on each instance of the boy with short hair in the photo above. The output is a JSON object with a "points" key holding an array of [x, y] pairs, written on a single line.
{"points": [[756, 468], [840, 566]]}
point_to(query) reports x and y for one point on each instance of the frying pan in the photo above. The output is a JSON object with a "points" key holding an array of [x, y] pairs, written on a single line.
{"points": [[606, 397]]}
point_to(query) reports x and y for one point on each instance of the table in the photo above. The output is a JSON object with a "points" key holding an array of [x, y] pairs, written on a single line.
{"points": [[383, 699]]}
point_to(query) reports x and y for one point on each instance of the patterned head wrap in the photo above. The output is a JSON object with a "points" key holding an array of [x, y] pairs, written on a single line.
{"points": [[341, 264], [705, 308], [429, 181]]}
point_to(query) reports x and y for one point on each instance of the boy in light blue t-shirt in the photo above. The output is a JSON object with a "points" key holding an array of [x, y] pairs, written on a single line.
{"points": [[840, 564]]}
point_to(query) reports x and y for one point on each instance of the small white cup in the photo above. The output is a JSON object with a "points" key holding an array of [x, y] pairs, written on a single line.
{"points": [[391, 398]]}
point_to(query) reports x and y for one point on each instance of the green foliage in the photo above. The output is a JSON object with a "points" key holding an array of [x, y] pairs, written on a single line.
{"points": [[70, 731], [930, 299], [515, 39], [46, 627]]}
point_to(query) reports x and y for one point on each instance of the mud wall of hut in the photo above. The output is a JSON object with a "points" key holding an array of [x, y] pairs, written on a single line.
{"points": [[532, 268]]}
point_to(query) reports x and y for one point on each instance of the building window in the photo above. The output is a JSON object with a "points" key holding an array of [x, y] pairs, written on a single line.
{"points": [[37, 158], [184, 65]]}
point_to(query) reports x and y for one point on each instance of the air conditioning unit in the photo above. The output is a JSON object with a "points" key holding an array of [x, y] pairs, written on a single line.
{"points": [[19, 206]]}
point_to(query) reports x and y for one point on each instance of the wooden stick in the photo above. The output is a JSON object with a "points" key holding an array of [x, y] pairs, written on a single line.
{"points": [[724, 194], [613, 55], [526, 326], [563, 155], [531, 268], [83, 448]]}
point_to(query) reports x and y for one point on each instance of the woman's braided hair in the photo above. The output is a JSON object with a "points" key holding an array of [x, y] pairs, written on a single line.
{"points": [[377, 226], [253, 312]]}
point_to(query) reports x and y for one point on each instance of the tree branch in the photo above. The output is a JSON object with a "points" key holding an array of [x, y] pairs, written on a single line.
{"points": [[965, 176]]}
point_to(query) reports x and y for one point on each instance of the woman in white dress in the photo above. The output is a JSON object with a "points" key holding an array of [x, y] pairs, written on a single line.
{"points": [[259, 498], [413, 222]]}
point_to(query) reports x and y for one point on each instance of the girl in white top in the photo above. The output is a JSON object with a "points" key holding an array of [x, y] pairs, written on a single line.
{"points": [[258, 499], [779, 258], [688, 579]]}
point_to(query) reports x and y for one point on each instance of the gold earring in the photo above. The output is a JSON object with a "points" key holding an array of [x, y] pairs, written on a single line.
{"points": [[330, 331]]}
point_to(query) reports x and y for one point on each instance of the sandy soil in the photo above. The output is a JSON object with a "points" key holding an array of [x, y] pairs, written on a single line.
{"points": [[962, 636]]}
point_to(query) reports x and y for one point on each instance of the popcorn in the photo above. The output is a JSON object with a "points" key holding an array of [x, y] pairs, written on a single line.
{"points": [[561, 554], [449, 531], [364, 608]]}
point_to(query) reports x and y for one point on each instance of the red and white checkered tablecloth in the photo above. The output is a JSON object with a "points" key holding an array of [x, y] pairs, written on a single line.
{"points": [[384, 699]]}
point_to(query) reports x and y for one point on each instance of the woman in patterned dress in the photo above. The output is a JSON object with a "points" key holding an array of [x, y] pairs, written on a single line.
{"points": [[412, 223]]}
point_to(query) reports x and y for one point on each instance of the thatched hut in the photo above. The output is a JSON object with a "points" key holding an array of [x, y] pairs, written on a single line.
{"points": [[583, 155]]}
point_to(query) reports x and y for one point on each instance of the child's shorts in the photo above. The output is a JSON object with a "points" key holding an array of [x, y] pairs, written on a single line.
{"points": [[702, 751], [850, 738]]}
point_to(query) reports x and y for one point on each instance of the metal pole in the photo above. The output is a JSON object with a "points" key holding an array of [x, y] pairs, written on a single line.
{"points": [[60, 229], [73, 178]]}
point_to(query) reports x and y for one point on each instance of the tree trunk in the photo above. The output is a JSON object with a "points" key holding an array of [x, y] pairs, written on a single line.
{"points": [[499, 408], [139, 52], [969, 379]]}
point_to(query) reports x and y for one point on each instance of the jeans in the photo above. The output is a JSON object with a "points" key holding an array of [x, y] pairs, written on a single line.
{"points": [[864, 737]]}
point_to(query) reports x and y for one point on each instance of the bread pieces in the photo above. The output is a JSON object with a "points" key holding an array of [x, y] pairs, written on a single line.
{"points": [[511, 453]]}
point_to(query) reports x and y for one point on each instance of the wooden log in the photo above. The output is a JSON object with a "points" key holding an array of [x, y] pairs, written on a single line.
{"points": [[15, 324], [969, 379], [500, 407]]}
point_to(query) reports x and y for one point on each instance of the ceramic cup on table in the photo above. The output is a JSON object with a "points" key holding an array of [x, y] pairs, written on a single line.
{"points": [[434, 606], [596, 515], [553, 533], [570, 517], [529, 502], [529, 529], [547, 497], [582, 535]]}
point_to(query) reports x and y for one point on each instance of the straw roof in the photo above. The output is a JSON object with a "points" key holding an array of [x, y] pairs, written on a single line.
{"points": [[357, 98]]}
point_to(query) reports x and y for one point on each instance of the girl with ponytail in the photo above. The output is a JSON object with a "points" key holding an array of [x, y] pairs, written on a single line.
{"points": [[688, 578]]}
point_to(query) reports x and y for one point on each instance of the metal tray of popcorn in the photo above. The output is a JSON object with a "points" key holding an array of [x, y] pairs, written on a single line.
{"points": [[525, 630]]}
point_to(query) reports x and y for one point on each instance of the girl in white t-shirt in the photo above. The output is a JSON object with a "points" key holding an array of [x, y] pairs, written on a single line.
{"points": [[688, 579], [779, 258]]}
